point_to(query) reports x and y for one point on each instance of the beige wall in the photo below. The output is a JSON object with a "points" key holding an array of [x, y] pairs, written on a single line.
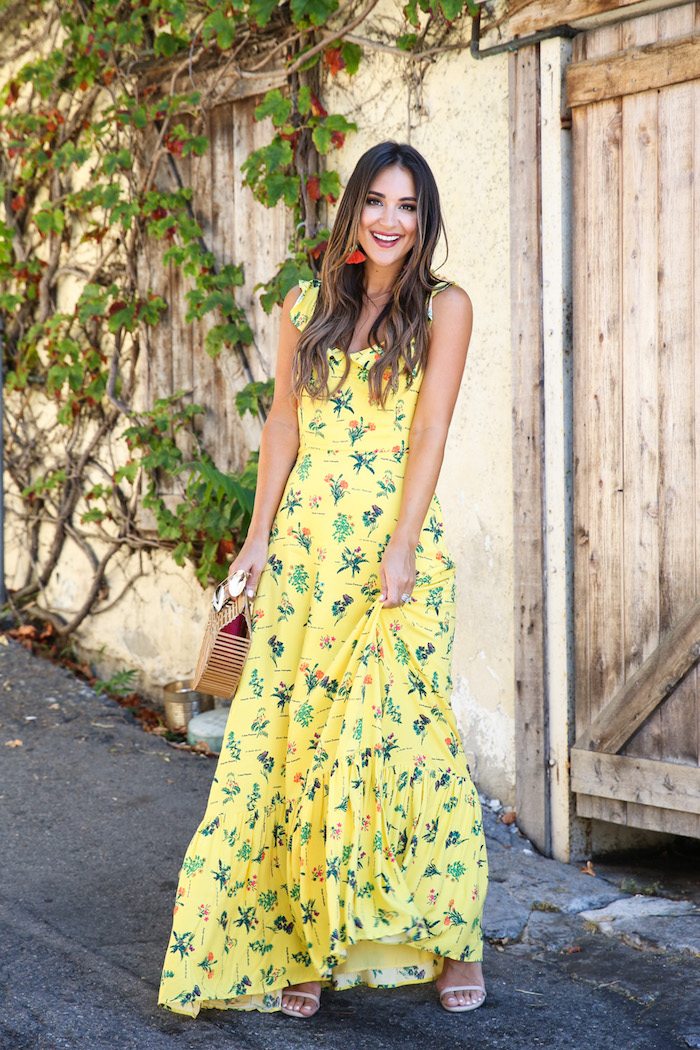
{"points": [[459, 121]]}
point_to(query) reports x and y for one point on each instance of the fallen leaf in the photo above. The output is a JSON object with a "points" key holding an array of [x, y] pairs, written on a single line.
{"points": [[54, 707], [27, 630], [572, 948], [3, 640], [13, 743], [588, 870], [508, 818]]}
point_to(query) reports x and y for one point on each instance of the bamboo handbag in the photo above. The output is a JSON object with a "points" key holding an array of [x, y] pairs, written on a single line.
{"points": [[226, 640]]}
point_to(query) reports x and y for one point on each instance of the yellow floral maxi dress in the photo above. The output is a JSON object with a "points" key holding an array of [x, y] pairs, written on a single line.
{"points": [[342, 840]]}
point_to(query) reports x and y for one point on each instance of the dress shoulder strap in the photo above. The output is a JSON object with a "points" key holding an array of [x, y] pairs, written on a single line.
{"points": [[440, 287], [303, 309]]}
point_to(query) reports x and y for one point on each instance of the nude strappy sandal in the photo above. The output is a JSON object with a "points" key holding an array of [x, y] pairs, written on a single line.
{"points": [[304, 995], [467, 1006]]}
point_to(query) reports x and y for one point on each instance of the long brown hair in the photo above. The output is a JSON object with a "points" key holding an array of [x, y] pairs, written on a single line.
{"points": [[403, 320]]}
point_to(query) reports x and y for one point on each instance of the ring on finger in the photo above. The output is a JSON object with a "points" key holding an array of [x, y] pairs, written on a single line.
{"points": [[405, 597]]}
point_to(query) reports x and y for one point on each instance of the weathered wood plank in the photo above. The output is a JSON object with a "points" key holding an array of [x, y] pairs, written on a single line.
{"points": [[601, 808], [532, 792], [581, 256], [526, 16], [640, 598], [182, 375], [671, 821], [695, 298], [231, 445], [604, 398], [637, 69], [210, 388], [523, 17], [676, 367], [645, 781], [650, 818], [644, 691]]}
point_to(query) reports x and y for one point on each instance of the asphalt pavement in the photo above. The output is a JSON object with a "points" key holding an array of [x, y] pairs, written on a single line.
{"points": [[96, 818]]}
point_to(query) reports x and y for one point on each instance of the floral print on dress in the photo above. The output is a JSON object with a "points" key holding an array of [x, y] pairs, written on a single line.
{"points": [[342, 839]]}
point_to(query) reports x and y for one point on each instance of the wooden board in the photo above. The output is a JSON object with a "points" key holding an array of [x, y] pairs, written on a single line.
{"points": [[634, 70], [632, 815], [645, 781], [639, 233], [523, 17], [532, 793], [602, 402], [662, 674]]}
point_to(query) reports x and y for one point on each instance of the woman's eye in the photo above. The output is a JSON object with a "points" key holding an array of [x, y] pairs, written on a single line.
{"points": [[408, 207], [373, 200]]}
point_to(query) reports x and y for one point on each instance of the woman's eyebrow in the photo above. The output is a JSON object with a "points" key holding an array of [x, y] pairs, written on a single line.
{"points": [[375, 193]]}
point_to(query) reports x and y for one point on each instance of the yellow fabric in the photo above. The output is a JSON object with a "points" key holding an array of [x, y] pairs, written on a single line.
{"points": [[342, 840]]}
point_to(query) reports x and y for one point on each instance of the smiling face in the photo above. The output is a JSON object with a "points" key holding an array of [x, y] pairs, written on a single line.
{"points": [[389, 220]]}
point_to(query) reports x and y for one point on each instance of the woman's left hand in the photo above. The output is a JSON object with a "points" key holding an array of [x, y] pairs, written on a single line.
{"points": [[397, 573]]}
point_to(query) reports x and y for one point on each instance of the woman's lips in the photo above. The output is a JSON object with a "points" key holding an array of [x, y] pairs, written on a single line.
{"points": [[385, 240]]}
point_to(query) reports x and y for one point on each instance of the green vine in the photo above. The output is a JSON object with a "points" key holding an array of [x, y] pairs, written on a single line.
{"points": [[97, 103]]}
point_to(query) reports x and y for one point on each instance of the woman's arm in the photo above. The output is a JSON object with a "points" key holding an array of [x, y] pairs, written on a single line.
{"points": [[449, 340], [279, 445]]}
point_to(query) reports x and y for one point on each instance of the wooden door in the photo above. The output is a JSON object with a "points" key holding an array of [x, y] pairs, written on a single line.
{"points": [[634, 90]]}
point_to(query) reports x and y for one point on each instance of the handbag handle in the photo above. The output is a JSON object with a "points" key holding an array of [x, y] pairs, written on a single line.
{"points": [[230, 588]]}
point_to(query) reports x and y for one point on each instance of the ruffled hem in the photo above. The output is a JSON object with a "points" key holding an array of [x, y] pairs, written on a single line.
{"points": [[369, 911], [373, 884]]}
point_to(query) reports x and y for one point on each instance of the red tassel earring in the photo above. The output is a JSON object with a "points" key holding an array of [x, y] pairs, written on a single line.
{"points": [[356, 256]]}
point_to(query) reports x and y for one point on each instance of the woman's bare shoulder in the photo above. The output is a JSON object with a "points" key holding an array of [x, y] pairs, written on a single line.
{"points": [[451, 305]]}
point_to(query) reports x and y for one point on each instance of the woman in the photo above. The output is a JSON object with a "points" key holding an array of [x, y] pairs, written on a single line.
{"points": [[342, 841]]}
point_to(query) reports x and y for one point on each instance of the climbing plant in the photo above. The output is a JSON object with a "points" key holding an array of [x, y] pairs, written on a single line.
{"points": [[92, 108]]}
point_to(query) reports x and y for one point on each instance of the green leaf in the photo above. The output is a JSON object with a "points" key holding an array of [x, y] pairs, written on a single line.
{"points": [[198, 145], [352, 53], [277, 186], [411, 13], [221, 334], [167, 45], [124, 318], [322, 138], [49, 221], [330, 184], [336, 122], [314, 11], [249, 398], [407, 42], [274, 105], [260, 11], [304, 100], [451, 9], [128, 471], [223, 27]]}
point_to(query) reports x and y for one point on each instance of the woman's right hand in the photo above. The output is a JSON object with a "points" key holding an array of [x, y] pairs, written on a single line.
{"points": [[251, 559]]}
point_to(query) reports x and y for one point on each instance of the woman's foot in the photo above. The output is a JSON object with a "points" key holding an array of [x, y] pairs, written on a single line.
{"points": [[296, 1004], [457, 975]]}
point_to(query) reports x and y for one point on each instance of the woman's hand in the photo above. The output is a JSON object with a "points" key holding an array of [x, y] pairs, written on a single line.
{"points": [[251, 559], [397, 572]]}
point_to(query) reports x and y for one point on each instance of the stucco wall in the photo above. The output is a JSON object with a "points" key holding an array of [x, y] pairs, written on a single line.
{"points": [[459, 121]]}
